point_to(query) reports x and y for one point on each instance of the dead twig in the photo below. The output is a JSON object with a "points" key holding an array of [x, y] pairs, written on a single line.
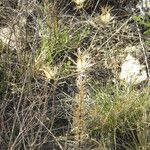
{"points": [[50, 133], [144, 52]]}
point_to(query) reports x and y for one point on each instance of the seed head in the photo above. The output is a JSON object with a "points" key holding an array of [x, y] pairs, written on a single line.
{"points": [[79, 3]]}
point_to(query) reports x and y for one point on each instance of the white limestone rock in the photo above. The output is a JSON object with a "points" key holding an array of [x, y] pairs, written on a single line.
{"points": [[8, 37], [132, 72], [143, 6]]}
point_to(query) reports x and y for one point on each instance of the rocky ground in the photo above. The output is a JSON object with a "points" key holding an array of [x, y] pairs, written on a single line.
{"points": [[63, 64]]}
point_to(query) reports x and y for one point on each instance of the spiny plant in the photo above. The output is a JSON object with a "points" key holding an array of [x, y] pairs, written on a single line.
{"points": [[81, 98]]}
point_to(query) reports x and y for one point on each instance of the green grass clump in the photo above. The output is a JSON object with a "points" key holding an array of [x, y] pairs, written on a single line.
{"points": [[116, 116], [144, 22]]}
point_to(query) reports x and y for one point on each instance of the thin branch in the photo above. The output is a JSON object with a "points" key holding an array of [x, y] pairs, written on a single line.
{"points": [[144, 52], [50, 133]]}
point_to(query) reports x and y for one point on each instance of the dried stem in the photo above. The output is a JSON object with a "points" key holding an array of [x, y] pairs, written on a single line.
{"points": [[83, 62]]}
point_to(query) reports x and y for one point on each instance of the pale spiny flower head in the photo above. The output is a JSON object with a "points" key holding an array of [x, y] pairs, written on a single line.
{"points": [[105, 16], [79, 3], [49, 72], [83, 61]]}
